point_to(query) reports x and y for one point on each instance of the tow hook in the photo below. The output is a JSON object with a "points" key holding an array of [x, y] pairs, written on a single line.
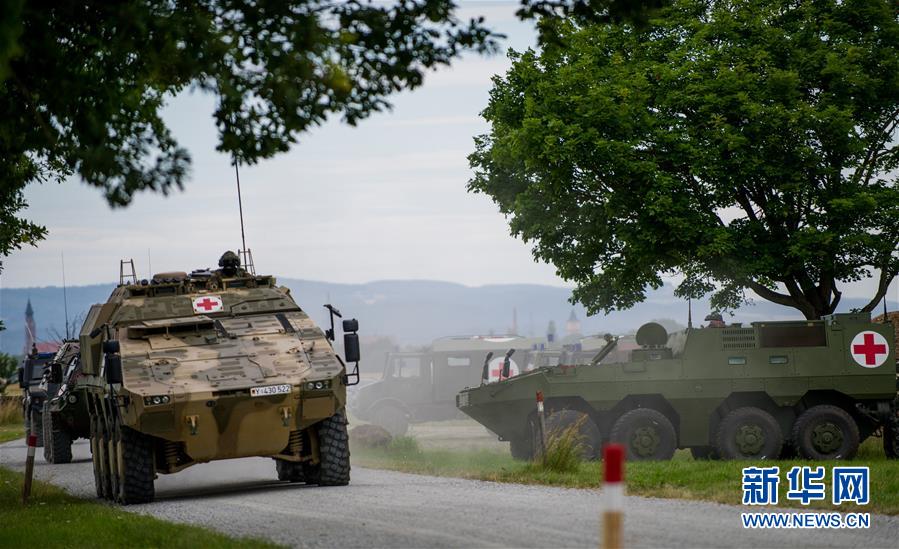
{"points": [[285, 416], [192, 421]]}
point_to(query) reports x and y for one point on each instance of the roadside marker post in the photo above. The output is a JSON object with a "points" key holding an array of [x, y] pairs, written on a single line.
{"points": [[541, 417], [613, 497], [29, 468]]}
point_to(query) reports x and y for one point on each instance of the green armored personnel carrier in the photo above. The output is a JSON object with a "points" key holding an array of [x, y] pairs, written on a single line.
{"points": [[816, 388], [189, 368]]}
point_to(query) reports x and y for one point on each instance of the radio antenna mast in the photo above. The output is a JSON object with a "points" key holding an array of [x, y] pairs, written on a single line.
{"points": [[65, 300], [245, 254]]}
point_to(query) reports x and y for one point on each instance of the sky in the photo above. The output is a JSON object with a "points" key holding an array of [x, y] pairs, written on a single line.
{"points": [[384, 200]]}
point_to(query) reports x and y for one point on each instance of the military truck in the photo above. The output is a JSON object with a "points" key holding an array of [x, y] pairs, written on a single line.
{"points": [[216, 364], [65, 416], [30, 374], [421, 386], [814, 388]]}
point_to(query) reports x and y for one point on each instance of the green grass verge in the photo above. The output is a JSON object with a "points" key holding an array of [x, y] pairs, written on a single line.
{"points": [[682, 477], [11, 432], [53, 518]]}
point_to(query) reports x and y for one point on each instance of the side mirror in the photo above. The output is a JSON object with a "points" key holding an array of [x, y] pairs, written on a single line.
{"points": [[55, 373], [113, 369], [111, 346], [21, 373], [351, 347], [485, 373], [350, 325]]}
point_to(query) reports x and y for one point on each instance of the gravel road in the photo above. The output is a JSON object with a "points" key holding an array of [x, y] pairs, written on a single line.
{"points": [[387, 509]]}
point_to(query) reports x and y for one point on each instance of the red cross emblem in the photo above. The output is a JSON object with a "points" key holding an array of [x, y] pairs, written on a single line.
{"points": [[207, 304], [496, 369], [869, 349]]}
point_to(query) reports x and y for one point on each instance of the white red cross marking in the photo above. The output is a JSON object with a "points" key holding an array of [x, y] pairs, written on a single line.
{"points": [[496, 369], [207, 304], [869, 349]]}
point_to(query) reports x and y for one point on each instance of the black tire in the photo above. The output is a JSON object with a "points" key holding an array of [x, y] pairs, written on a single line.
{"points": [[57, 440], [37, 427], [522, 448], [391, 418], [891, 441], [48, 436], [588, 432], [114, 462], [138, 468], [333, 468], [98, 458], [749, 433], [646, 434], [289, 471], [704, 453], [825, 432]]}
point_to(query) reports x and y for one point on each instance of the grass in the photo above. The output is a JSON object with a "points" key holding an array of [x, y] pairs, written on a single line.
{"points": [[682, 477], [11, 424], [53, 518]]}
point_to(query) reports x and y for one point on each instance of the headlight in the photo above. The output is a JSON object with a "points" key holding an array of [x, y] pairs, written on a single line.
{"points": [[318, 385], [156, 400], [72, 399]]}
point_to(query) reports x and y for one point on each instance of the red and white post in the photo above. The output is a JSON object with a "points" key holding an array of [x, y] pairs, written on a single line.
{"points": [[541, 418], [613, 496], [29, 468]]}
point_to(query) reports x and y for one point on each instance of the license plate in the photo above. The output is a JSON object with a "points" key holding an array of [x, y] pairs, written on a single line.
{"points": [[269, 390]]}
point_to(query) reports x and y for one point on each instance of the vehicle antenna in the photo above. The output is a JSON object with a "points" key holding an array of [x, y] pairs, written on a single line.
{"points": [[245, 254], [243, 239], [149, 264], [65, 300]]}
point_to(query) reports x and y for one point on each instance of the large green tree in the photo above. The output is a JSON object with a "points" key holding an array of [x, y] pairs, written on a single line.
{"points": [[739, 144], [82, 84]]}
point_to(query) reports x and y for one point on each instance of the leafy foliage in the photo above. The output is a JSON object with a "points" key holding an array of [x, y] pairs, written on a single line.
{"points": [[8, 365], [82, 84], [743, 145]]}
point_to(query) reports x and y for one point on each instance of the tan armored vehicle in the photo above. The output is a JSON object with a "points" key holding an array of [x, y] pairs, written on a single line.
{"points": [[190, 368]]}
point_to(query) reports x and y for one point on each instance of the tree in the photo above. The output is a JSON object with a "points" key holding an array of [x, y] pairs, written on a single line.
{"points": [[82, 84], [742, 145], [8, 366]]}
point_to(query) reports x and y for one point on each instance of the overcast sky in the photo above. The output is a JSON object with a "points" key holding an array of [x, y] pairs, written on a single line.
{"points": [[384, 200]]}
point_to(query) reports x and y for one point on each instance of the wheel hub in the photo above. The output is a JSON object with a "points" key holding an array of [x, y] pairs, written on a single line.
{"points": [[827, 437], [750, 439], [645, 441]]}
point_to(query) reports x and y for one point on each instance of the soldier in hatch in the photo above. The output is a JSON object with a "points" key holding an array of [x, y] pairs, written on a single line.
{"points": [[230, 265]]}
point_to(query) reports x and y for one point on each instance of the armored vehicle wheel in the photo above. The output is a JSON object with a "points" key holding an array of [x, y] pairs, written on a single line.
{"points": [[57, 440], [37, 427], [521, 448], [114, 463], [891, 439], [704, 453], [826, 432], [646, 434], [333, 468], [391, 418], [289, 471], [136, 467], [749, 433], [587, 431], [48, 440], [98, 457]]}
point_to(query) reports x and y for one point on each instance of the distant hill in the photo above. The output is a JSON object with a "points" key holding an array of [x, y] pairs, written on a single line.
{"points": [[410, 311]]}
